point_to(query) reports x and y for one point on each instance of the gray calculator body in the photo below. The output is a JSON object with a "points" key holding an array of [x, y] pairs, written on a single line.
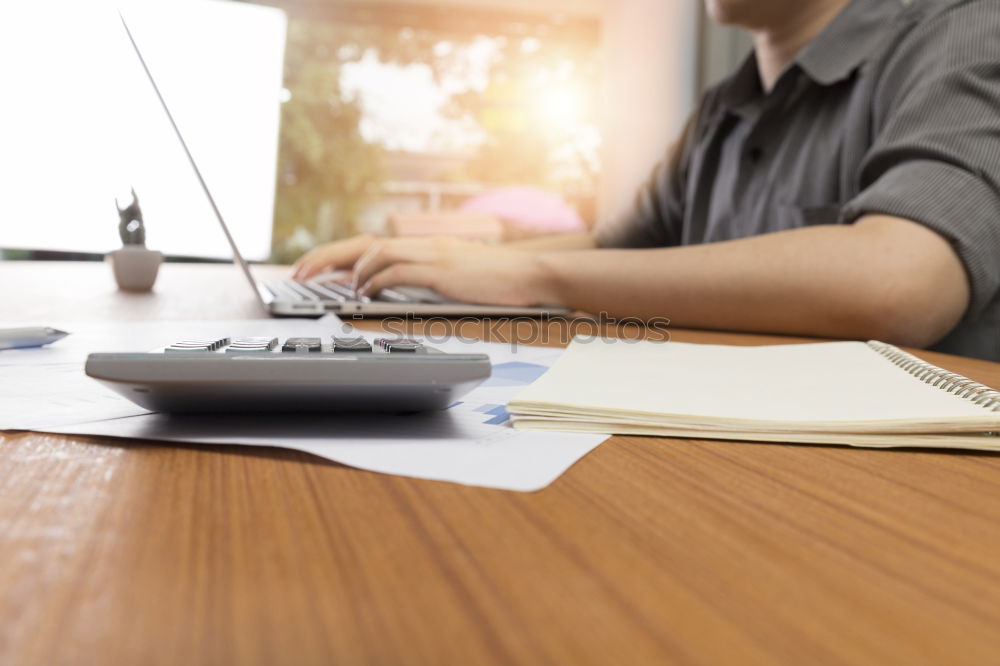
{"points": [[324, 379]]}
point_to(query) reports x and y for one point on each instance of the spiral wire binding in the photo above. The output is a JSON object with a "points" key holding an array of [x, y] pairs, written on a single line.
{"points": [[931, 374]]}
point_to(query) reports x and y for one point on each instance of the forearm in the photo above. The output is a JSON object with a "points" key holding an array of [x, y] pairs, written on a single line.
{"points": [[855, 281], [572, 241]]}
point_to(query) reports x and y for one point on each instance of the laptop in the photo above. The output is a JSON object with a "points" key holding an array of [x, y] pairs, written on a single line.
{"points": [[322, 294]]}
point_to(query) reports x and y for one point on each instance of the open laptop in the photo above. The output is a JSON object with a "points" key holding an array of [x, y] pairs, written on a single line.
{"points": [[323, 294]]}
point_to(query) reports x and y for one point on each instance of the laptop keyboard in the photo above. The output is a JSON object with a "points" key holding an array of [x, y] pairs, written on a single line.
{"points": [[331, 290]]}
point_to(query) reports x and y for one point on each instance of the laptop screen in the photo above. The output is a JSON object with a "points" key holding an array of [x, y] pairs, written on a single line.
{"points": [[81, 124], [195, 169]]}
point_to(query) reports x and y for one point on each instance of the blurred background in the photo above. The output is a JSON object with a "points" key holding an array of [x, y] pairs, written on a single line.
{"points": [[317, 119]]}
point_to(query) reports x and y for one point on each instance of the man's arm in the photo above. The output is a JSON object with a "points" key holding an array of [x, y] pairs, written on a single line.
{"points": [[882, 277], [583, 240]]}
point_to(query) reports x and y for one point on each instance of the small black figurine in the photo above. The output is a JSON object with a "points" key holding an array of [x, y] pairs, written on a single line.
{"points": [[131, 228]]}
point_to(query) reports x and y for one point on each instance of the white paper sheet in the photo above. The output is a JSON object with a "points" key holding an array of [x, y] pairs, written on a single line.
{"points": [[455, 445], [470, 443], [53, 394]]}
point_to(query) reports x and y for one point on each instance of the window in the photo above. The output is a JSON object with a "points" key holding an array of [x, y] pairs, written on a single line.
{"points": [[397, 107]]}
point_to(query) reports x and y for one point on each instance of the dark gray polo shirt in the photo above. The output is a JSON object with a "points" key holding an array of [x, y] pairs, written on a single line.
{"points": [[893, 109]]}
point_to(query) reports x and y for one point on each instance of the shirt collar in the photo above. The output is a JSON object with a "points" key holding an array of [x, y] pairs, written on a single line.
{"points": [[848, 40], [743, 86], [831, 56]]}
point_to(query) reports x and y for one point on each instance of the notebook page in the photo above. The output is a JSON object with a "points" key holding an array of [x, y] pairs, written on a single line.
{"points": [[822, 382]]}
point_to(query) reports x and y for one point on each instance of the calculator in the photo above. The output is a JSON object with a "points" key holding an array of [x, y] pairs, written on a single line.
{"points": [[255, 374]]}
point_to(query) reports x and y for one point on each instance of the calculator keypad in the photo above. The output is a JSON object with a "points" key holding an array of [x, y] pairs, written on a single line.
{"points": [[266, 344]]}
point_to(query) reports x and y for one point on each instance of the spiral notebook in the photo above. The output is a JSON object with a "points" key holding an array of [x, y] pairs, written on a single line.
{"points": [[851, 393]]}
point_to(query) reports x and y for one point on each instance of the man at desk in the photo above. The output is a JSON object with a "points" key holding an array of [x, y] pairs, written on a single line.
{"points": [[844, 182]]}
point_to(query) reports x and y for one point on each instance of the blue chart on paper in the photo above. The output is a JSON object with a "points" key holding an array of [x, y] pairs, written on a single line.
{"points": [[492, 414], [515, 373], [497, 414]]}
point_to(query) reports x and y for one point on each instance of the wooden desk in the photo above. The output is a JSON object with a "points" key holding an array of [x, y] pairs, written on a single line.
{"points": [[648, 551]]}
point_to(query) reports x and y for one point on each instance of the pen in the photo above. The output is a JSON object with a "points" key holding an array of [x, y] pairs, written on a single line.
{"points": [[12, 338]]}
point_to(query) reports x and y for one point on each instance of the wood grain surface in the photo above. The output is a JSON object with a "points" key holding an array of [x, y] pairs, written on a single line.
{"points": [[648, 551]]}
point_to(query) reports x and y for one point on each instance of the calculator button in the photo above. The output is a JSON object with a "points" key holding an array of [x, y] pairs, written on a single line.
{"points": [[207, 344], [302, 344], [399, 345], [404, 347], [259, 344], [255, 342], [355, 344]]}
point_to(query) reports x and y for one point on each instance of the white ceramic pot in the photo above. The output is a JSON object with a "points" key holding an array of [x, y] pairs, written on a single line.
{"points": [[135, 268]]}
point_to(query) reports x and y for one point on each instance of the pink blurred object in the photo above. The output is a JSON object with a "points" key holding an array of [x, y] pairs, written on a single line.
{"points": [[530, 208]]}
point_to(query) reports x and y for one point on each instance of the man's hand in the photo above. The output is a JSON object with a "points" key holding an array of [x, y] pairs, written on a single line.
{"points": [[338, 256], [458, 269], [342, 255]]}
